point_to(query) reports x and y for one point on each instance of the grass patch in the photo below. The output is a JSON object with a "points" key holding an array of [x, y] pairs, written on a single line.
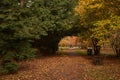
{"points": [[81, 53]]}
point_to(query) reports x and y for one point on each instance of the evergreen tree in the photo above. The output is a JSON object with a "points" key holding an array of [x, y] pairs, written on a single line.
{"points": [[28, 23], [56, 17]]}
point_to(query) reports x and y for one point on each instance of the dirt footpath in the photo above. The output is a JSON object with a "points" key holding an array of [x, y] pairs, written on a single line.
{"points": [[51, 68], [71, 66]]}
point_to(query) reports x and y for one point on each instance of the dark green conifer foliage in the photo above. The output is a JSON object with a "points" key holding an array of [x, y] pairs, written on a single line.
{"points": [[40, 22], [56, 18], [15, 35]]}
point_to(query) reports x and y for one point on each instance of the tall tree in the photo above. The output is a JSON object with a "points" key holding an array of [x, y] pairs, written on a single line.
{"points": [[25, 22], [99, 17]]}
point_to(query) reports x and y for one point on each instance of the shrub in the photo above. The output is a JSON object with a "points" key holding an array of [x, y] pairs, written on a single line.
{"points": [[8, 67]]}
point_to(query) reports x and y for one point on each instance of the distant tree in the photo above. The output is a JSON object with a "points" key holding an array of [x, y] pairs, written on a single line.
{"points": [[115, 41]]}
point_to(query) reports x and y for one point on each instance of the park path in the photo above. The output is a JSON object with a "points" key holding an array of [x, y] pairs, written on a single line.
{"points": [[68, 67]]}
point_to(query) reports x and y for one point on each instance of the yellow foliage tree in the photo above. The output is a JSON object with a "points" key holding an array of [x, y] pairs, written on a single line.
{"points": [[101, 18]]}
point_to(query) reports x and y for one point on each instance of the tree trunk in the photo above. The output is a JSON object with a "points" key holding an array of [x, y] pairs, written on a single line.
{"points": [[96, 46], [115, 42], [118, 52], [22, 3], [96, 50], [47, 45], [48, 48]]}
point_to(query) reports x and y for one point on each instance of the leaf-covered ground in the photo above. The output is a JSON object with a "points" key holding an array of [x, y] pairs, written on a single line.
{"points": [[71, 66]]}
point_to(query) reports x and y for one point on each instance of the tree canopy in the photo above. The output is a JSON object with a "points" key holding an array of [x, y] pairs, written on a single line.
{"points": [[100, 18], [27, 25]]}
